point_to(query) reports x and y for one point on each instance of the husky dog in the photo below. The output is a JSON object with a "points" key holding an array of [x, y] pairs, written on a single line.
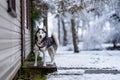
{"points": [[43, 43]]}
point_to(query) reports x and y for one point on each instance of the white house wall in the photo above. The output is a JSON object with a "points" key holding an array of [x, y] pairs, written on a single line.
{"points": [[10, 41]]}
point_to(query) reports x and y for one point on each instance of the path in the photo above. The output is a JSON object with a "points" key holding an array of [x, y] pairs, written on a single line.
{"points": [[85, 66]]}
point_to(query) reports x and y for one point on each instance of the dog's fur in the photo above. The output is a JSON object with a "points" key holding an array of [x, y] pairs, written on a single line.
{"points": [[43, 43]]}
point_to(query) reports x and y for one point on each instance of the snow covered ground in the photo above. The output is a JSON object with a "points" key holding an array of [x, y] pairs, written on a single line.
{"points": [[78, 66], [88, 59], [85, 77]]}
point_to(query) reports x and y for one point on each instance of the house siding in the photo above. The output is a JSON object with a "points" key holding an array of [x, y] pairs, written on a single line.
{"points": [[27, 31], [10, 41]]}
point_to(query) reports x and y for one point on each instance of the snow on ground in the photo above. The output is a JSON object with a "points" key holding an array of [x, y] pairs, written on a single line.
{"points": [[85, 77], [74, 66], [88, 59]]}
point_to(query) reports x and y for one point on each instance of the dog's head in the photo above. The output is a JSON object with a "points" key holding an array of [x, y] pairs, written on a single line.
{"points": [[41, 33]]}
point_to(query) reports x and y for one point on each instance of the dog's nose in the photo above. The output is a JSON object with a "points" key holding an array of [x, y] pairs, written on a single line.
{"points": [[40, 36]]}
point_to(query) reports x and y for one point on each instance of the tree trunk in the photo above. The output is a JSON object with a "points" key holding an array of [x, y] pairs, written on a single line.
{"points": [[64, 33], [114, 43], [59, 28], [74, 36], [45, 24]]}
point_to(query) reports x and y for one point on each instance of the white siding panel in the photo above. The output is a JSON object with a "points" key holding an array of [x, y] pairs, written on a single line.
{"points": [[27, 51], [4, 24], [3, 3], [7, 34], [4, 54], [5, 74], [27, 34], [9, 61], [27, 43], [12, 74], [27, 48], [10, 41], [18, 7]]}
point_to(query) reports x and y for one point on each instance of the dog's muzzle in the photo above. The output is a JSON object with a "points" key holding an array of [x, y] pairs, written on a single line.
{"points": [[40, 36]]}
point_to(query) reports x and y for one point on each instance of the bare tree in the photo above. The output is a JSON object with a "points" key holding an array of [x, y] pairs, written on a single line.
{"points": [[59, 28], [74, 35], [62, 15], [64, 33]]}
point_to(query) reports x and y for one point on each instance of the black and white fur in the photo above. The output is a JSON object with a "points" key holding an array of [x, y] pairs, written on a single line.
{"points": [[43, 43]]}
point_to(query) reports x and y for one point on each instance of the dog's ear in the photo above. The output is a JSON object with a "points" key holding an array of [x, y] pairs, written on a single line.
{"points": [[37, 27]]}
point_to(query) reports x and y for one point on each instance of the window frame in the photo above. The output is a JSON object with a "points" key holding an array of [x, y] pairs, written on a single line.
{"points": [[12, 8]]}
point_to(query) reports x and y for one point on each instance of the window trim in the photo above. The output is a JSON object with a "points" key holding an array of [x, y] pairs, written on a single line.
{"points": [[12, 8]]}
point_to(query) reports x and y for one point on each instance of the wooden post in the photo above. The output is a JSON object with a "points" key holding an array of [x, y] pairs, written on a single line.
{"points": [[32, 26], [22, 32]]}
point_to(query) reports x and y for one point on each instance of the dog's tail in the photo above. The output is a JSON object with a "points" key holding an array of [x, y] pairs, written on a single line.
{"points": [[55, 37]]}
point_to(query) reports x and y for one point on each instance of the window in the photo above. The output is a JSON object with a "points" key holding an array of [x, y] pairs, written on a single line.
{"points": [[12, 8]]}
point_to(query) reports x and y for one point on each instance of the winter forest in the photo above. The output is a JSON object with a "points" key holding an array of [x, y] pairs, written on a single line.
{"points": [[89, 37], [82, 24]]}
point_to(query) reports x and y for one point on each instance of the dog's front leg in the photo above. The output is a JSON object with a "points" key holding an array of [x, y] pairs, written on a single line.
{"points": [[36, 55], [44, 62]]}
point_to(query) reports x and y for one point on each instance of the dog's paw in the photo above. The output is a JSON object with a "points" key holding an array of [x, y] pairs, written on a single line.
{"points": [[35, 64], [44, 64], [52, 63]]}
